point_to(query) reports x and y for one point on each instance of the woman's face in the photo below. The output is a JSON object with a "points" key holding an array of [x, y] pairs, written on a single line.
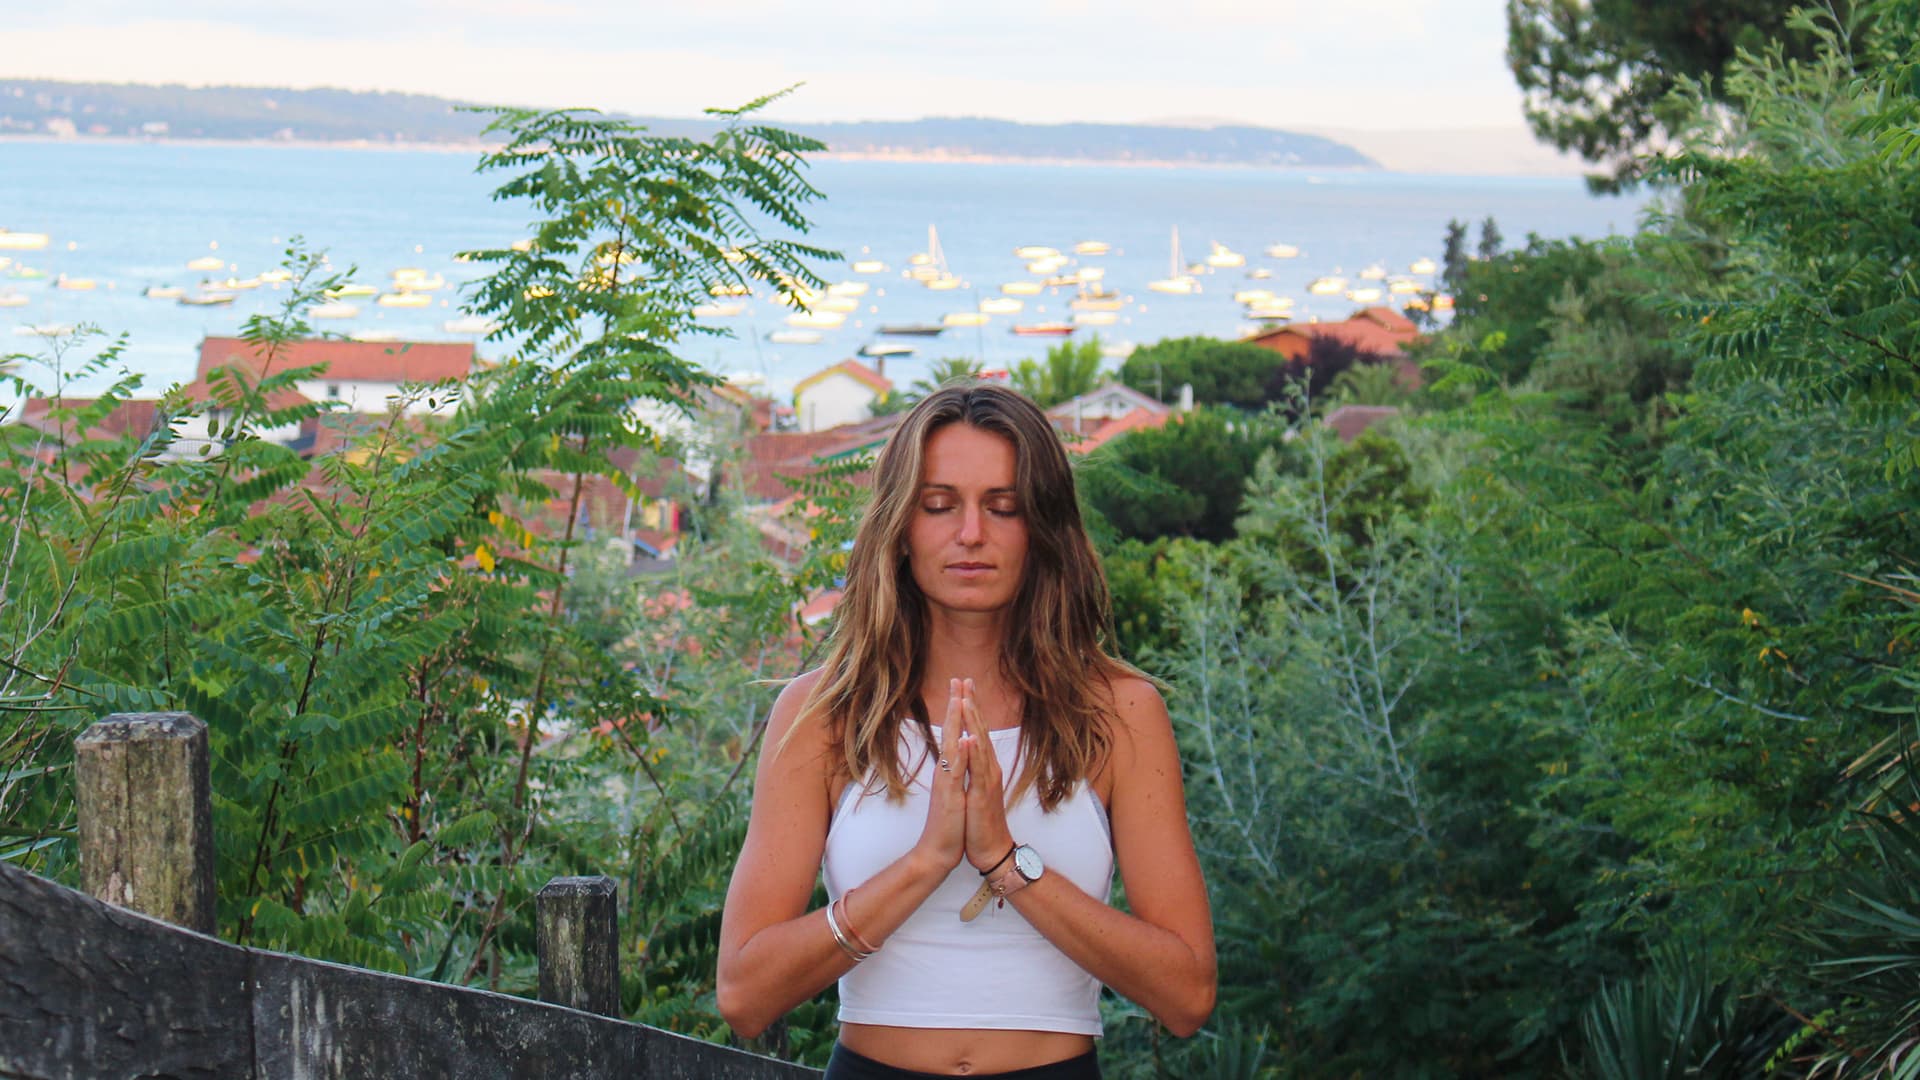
{"points": [[967, 545]]}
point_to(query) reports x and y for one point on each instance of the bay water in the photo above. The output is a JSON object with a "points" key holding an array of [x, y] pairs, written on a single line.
{"points": [[130, 215]]}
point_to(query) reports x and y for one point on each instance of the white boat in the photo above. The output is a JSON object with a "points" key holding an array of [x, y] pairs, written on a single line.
{"points": [[9, 298], [237, 284], [869, 266], [1268, 313], [1063, 281], [74, 284], [410, 279], [22, 241], [1327, 286], [1097, 301], [816, 320], [944, 282], [1092, 247], [206, 299], [333, 309], [1095, 318], [1367, 295], [207, 262], [404, 300], [845, 305], [930, 266], [1221, 257], [1021, 288], [44, 330], [1376, 272], [350, 289], [1252, 296], [1047, 265], [1282, 251], [1035, 251], [1177, 282], [1422, 266], [963, 318], [724, 310], [375, 336], [1002, 305], [1093, 273], [1402, 287], [880, 350], [848, 288], [794, 337], [163, 292], [1259, 273], [470, 324]]}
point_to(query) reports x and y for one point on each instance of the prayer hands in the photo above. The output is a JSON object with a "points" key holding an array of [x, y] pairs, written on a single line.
{"points": [[967, 814]]}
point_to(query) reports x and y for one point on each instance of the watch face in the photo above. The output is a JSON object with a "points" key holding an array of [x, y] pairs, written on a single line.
{"points": [[1027, 862]]}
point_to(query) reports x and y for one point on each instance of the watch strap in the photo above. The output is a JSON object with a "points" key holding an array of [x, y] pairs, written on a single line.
{"points": [[978, 902]]}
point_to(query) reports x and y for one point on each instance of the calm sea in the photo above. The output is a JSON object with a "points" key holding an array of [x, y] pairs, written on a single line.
{"points": [[130, 216]]}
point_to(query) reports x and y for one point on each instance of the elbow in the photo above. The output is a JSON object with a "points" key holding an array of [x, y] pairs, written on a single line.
{"points": [[736, 1008], [1185, 1017]]}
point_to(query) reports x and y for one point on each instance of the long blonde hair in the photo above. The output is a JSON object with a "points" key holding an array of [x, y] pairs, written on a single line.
{"points": [[1053, 653]]}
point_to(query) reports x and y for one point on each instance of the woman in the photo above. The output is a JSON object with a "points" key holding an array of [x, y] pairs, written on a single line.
{"points": [[966, 768]]}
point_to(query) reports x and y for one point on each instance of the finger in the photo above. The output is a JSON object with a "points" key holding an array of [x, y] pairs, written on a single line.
{"points": [[951, 728], [977, 724]]}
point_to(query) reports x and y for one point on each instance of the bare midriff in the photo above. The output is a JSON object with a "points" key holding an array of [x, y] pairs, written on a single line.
{"points": [[962, 1051]]}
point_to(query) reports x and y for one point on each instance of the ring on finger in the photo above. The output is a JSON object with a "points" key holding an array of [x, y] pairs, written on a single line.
{"points": [[945, 765]]}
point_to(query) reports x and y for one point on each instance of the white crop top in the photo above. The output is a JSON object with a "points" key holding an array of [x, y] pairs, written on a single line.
{"points": [[996, 971]]}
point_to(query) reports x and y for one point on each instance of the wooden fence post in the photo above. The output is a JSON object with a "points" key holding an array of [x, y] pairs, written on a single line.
{"points": [[579, 944], [146, 816]]}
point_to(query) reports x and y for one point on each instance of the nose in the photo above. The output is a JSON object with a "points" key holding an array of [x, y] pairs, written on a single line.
{"points": [[973, 524]]}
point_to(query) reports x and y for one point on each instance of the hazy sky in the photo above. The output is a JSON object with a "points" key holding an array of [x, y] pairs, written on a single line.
{"points": [[1385, 64]]}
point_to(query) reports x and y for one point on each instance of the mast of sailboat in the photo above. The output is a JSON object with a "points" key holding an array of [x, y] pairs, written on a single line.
{"points": [[1177, 268]]}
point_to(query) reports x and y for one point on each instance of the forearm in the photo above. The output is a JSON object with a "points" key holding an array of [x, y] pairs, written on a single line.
{"points": [[788, 962], [1147, 964]]}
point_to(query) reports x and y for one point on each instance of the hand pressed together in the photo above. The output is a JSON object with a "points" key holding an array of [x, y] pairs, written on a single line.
{"points": [[967, 814]]}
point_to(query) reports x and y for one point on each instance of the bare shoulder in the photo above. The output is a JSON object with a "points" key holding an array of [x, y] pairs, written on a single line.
{"points": [[793, 740], [1139, 712], [1142, 732]]}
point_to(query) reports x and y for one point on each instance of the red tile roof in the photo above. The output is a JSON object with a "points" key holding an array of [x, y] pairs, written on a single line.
{"points": [[353, 361], [1348, 421], [1376, 330], [134, 416], [1105, 431]]}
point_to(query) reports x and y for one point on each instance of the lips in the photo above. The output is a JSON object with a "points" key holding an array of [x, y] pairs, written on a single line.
{"points": [[969, 567]]}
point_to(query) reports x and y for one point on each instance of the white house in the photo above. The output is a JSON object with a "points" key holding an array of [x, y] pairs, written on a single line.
{"points": [[842, 394], [365, 376], [1084, 414]]}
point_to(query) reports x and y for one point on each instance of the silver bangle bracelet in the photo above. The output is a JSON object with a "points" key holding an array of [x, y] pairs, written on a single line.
{"points": [[840, 937]]}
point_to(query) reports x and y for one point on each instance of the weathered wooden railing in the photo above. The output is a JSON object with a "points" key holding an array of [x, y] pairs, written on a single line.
{"points": [[128, 982]]}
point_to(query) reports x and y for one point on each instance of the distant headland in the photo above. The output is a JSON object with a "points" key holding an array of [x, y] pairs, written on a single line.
{"points": [[45, 108]]}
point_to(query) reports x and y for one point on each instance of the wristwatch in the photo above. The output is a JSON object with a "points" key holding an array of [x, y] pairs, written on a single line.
{"points": [[1023, 870]]}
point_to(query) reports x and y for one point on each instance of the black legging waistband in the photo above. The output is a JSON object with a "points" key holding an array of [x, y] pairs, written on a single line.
{"points": [[847, 1065]]}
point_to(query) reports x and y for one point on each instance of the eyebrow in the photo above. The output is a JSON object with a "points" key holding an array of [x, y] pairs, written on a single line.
{"points": [[956, 490]]}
